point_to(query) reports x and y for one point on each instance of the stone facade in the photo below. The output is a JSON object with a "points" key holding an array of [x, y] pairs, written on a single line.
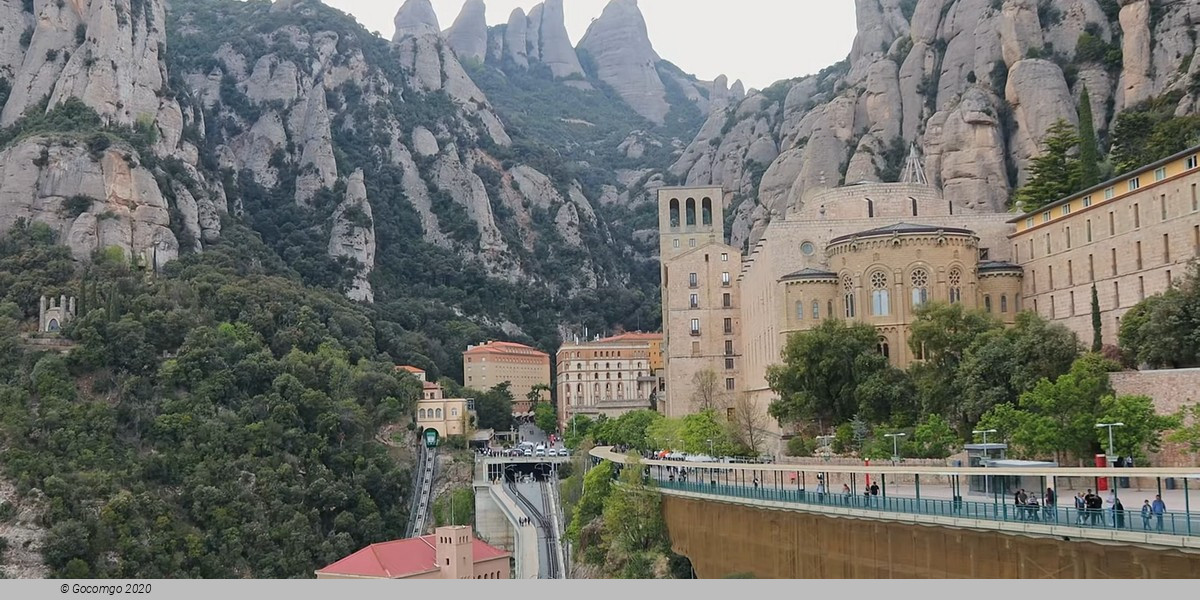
{"points": [[448, 416], [488, 365], [53, 316], [1130, 237], [610, 376], [701, 301], [1171, 390]]}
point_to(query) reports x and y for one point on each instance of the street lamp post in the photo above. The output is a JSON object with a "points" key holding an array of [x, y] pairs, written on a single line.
{"points": [[710, 448], [895, 445], [1109, 426]]}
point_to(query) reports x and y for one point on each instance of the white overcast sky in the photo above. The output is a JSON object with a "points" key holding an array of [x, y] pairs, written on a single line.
{"points": [[757, 41]]}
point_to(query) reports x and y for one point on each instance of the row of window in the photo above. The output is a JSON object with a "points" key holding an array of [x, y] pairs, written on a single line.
{"points": [[579, 376], [881, 305], [1139, 262], [608, 392], [1164, 215], [726, 301], [434, 413], [1141, 295], [694, 279], [1131, 185], [689, 207], [492, 575], [728, 326], [607, 366]]}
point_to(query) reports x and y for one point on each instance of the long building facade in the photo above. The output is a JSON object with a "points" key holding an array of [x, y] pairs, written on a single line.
{"points": [[610, 376], [1130, 238], [488, 365], [875, 252]]}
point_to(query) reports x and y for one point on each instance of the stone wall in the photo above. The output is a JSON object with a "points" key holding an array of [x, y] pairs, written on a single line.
{"points": [[1171, 391], [725, 539]]}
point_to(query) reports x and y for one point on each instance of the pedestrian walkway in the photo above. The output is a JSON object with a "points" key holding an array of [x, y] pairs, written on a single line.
{"points": [[525, 542]]}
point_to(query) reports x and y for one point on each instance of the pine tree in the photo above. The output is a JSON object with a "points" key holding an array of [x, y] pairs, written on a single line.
{"points": [[1055, 174], [1097, 327], [1089, 150]]}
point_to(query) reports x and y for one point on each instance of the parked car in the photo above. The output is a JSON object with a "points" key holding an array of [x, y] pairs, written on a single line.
{"points": [[564, 452], [539, 452]]}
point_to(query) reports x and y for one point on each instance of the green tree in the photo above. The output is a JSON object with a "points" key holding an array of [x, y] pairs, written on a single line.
{"points": [[1056, 418], [1161, 330], [545, 417], [1143, 429], [934, 438], [597, 485], [1097, 325], [706, 433], [577, 429], [1188, 432], [1089, 147], [493, 408], [944, 332], [664, 434], [822, 370], [633, 519], [1056, 173], [1002, 364]]}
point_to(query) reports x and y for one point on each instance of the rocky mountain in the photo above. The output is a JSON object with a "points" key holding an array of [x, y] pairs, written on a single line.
{"points": [[496, 171], [973, 83]]}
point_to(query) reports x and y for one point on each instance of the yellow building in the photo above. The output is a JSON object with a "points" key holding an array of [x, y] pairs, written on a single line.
{"points": [[487, 365], [1130, 237], [700, 300], [447, 416], [450, 553], [610, 376]]}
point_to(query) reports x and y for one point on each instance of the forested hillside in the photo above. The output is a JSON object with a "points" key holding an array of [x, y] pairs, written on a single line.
{"points": [[215, 421]]}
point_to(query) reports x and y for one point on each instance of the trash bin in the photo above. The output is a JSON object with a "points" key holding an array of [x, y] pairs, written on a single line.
{"points": [[1169, 483]]}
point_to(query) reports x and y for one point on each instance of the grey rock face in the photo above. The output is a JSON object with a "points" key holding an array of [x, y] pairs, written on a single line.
{"points": [[625, 59], [515, 38], [965, 152], [551, 40], [1037, 91], [13, 23], [416, 18], [468, 36], [128, 210], [318, 168], [353, 236]]}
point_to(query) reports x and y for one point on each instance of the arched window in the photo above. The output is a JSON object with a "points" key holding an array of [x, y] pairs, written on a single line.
{"points": [[1004, 303], [848, 296], [881, 302], [620, 391], [885, 350], [421, 414], [800, 310], [53, 326], [579, 390], [920, 287], [706, 213], [816, 314], [691, 212], [674, 213], [987, 304], [595, 391], [608, 391], [955, 285], [437, 414]]}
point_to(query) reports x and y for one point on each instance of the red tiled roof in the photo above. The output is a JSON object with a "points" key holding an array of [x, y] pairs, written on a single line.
{"points": [[410, 369], [401, 558], [432, 386], [509, 348]]}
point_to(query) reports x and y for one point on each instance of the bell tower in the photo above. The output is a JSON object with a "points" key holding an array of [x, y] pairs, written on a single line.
{"points": [[690, 218]]}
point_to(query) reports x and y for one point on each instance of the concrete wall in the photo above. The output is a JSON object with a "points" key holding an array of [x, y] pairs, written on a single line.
{"points": [[724, 539], [491, 521]]}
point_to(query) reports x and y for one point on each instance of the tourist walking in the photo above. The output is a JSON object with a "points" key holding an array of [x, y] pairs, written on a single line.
{"points": [[1159, 508], [1080, 509], [1146, 512], [1118, 513]]}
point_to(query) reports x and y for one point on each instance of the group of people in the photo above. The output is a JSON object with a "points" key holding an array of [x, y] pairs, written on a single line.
{"points": [[1089, 507], [523, 521]]}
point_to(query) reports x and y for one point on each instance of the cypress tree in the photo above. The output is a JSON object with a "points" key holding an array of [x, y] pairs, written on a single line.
{"points": [[1089, 149], [1097, 328]]}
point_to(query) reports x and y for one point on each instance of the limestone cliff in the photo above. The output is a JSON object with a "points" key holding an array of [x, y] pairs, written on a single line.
{"points": [[468, 36], [416, 17], [973, 83], [353, 236], [625, 59]]}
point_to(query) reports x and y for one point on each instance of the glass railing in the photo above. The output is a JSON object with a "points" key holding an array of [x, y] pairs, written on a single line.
{"points": [[1168, 523]]}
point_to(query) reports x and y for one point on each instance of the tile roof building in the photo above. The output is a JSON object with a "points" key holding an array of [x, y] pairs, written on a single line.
{"points": [[610, 376], [487, 365], [450, 553]]}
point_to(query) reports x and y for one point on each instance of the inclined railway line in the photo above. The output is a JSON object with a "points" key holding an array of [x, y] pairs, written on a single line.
{"points": [[538, 513]]}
